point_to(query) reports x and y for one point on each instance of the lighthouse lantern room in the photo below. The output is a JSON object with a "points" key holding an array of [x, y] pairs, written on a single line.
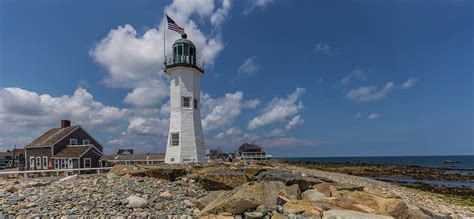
{"points": [[185, 139]]}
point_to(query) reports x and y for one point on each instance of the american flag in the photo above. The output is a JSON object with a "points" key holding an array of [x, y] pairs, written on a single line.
{"points": [[173, 26]]}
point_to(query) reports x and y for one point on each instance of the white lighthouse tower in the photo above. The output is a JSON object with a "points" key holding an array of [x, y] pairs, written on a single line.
{"points": [[185, 139]]}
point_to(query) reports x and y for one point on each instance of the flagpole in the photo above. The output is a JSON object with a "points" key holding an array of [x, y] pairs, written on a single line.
{"points": [[164, 39]]}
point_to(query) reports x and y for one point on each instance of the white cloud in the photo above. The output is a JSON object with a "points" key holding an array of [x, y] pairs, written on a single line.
{"points": [[222, 111], [133, 59], [249, 67], [276, 133], [279, 109], [148, 126], [256, 3], [356, 75], [229, 133], [295, 121], [409, 83], [371, 93], [21, 109], [322, 48], [373, 116], [148, 94]]}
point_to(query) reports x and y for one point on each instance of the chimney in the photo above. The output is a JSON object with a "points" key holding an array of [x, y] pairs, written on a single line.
{"points": [[65, 123]]}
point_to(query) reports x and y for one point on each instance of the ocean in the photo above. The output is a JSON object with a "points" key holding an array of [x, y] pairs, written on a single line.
{"points": [[462, 162]]}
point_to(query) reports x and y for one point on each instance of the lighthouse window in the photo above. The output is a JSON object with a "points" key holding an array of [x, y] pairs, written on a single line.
{"points": [[175, 139], [180, 50], [186, 102], [196, 103], [185, 49]]}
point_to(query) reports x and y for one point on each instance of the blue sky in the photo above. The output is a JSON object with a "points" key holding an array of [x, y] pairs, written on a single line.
{"points": [[302, 78]]}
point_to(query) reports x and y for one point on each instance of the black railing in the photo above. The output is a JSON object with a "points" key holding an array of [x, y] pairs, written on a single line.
{"points": [[193, 61]]}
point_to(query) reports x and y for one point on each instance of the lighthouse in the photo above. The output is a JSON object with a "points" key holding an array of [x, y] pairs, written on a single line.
{"points": [[185, 139]]}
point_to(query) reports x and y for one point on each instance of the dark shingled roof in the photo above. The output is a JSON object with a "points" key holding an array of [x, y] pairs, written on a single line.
{"points": [[247, 146], [51, 136], [73, 151], [132, 157]]}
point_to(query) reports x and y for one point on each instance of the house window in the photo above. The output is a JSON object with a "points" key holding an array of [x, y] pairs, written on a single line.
{"points": [[69, 163], [56, 164], [72, 141], [186, 102], [45, 162], [196, 103], [175, 139], [32, 163], [86, 142], [87, 163], [38, 163], [63, 164]]}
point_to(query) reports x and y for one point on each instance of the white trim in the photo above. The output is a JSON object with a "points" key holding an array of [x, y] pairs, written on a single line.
{"points": [[32, 162], [90, 162], [45, 164]]}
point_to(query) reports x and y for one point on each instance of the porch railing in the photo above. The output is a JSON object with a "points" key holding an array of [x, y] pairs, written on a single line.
{"points": [[65, 172]]}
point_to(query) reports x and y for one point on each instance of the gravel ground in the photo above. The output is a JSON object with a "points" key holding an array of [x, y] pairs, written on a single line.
{"points": [[99, 195], [414, 199]]}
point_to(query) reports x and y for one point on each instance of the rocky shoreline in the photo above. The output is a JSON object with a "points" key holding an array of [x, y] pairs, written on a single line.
{"points": [[219, 190], [404, 172]]}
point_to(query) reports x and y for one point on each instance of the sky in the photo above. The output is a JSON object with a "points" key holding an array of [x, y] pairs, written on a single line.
{"points": [[301, 78]]}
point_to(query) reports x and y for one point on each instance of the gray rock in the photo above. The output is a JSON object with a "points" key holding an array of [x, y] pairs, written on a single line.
{"points": [[262, 209], [253, 215], [347, 214], [136, 202]]}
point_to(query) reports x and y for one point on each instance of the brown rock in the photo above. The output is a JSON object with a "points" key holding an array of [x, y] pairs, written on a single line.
{"points": [[387, 206], [313, 195], [221, 179], [248, 196], [251, 172], [302, 206], [202, 202], [288, 178], [278, 216], [346, 214], [168, 172]]}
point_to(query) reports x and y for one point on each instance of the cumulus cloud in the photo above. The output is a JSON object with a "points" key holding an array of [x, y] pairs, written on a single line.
{"points": [[148, 94], [256, 4], [276, 133], [372, 93], [249, 67], [222, 111], [148, 126], [133, 59], [356, 75], [22, 109], [373, 116], [279, 109]]}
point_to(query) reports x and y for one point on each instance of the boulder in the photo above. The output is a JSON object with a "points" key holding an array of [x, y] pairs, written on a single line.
{"points": [[347, 214], [133, 170], [380, 205], [221, 179], [202, 202], [248, 196], [313, 195], [309, 208], [329, 189], [168, 173], [288, 178], [136, 202], [251, 172]]}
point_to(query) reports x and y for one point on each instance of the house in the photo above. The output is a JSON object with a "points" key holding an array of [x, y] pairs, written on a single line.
{"points": [[125, 151], [110, 160], [66, 147], [251, 152], [13, 158]]}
